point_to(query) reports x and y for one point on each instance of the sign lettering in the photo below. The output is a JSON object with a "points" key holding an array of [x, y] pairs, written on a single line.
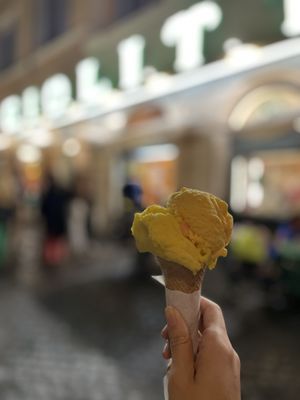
{"points": [[291, 23], [185, 31], [56, 96], [131, 59]]}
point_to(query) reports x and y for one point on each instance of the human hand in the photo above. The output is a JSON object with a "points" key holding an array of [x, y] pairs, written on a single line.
{"points": [[214, 374]]}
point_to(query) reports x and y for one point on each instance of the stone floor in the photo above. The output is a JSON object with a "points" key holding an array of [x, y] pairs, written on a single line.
{"points": [[95, 342], [92, 332]]}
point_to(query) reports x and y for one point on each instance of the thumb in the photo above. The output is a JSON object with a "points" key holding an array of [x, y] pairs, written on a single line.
{"points": [[180, 344]]}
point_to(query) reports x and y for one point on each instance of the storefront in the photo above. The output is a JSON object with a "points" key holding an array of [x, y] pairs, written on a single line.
{"points": [[202, 137], [265, 176], [266, 145], [151, 112], [202, 112], [155, 169]]}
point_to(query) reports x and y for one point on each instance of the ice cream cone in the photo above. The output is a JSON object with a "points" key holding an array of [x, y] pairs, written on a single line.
{"points": [[193, 230], [183, 291], [180, 278]]}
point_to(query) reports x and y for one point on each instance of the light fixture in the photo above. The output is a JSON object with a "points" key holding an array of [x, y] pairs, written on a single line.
{"points": [[242, 54], [156, 153], [5, 142], [115, 121], [158, 82], [71, 147], [39, 137], [28, 153]]}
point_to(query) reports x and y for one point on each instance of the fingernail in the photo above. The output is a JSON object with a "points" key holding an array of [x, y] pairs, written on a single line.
{"points": [[163, 331], [165, 349], [171, 316]]}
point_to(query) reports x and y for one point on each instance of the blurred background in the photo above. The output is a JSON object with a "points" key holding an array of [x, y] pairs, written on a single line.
{"points": [[107, 106]]}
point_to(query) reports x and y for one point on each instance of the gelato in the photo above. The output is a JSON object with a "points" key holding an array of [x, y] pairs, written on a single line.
{"points": [[193, 230]]}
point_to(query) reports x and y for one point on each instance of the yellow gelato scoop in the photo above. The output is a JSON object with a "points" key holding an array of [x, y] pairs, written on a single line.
{"points": [[192, 230]]}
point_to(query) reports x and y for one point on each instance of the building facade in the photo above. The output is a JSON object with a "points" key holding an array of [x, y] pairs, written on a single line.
{"points": [[39, 38], [154, 113]]}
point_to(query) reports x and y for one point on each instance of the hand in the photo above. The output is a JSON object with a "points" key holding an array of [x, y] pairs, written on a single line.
{"points": [[214, 374]]}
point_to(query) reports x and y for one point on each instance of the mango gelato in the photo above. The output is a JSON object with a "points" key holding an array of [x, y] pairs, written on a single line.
{"points": [[193, 230]]}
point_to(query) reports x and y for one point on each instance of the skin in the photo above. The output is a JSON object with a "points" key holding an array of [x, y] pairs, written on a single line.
{"points": [[214, 374]]}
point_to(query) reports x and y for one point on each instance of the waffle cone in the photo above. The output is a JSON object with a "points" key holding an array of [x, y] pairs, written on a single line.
{"points": [[180, 278]]}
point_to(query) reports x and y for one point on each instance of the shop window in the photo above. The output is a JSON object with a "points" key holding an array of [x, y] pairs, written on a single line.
{"points": [[247, 191], [266, 184], [52, 16], [239, 181], [7, 48], [154, 168], [255, 192], [127, 7]]}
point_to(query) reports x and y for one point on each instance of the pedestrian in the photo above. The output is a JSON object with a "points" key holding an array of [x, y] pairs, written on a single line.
{"points": [[8, 202], [79, 224], [132, 195], [133, 202], [214, 374], [54, 209]]}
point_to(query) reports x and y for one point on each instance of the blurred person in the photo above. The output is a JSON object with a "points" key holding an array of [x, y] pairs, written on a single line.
{"points": [[54, 209], [286, 255], [79, 224], [286, 243], [214, 374], [8, 203], [132, 195], [288, 231], [132, 202], [250, 248]]}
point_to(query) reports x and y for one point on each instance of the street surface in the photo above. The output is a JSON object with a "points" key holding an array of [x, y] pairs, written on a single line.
{"points": [[92, 332]]}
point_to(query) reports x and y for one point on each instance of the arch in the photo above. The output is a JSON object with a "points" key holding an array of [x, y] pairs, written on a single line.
{"points": [[265, 97]]}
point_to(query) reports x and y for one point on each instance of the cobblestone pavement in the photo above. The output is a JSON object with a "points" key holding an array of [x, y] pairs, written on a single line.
{"points": [[88, 331], [270, 357], [80, 344], [94, 334]]}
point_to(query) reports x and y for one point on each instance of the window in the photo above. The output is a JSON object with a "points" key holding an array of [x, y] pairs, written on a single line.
{"points": [[154, 168], [52, 18], [7, 48], [247, 190], [127, 7], [266, 183]]}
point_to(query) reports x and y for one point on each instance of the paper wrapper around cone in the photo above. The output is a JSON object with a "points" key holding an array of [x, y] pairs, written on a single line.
{"points": [[183, 291]]}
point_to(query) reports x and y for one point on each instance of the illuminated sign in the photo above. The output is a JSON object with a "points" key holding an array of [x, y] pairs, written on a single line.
{"points": [[56, 95], [89, 86], [131, 68], [10, 114], [31, 105], [291, 24], [183, 31]]}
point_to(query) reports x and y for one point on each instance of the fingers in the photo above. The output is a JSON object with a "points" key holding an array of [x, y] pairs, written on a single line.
{"points": [[180, 344], [212, 319], [166, 352], [212, 316], [214, 343]]}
